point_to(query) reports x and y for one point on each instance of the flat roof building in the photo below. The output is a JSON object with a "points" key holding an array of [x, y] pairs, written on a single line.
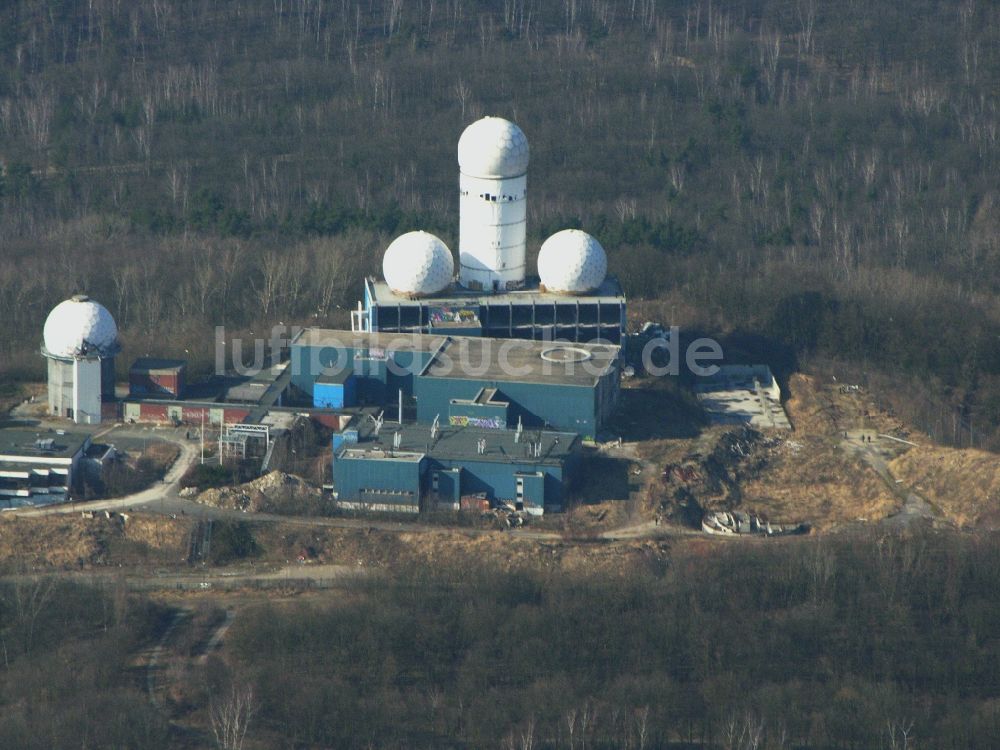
{"points": [[38, 468], [409, 467], [551, 385], [152, 377]]}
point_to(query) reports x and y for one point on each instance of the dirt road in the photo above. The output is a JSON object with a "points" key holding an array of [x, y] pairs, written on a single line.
{"points": [[867, 445]]}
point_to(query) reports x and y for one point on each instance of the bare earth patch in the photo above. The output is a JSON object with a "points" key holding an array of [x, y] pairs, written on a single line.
{"points": [[813, 480], [963, 484]]}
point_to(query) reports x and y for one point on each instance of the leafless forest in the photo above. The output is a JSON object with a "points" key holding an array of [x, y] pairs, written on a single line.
{"points": [[820, 173]]}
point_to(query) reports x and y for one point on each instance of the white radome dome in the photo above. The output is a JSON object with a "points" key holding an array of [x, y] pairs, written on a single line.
{"points": [[418, 264], [572, 262], [493, 148], [80, 326]]}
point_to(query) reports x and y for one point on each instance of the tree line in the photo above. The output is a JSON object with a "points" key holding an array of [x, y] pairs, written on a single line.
{"points": [[734, 160], [839, 643]]}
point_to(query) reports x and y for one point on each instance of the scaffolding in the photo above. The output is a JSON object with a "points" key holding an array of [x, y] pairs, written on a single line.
{"points": [[235, 439]]}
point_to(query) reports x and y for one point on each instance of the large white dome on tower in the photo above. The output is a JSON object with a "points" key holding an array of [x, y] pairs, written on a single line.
{"points": [[80, 326], [417, 264], [493, 147], [572, 262]]}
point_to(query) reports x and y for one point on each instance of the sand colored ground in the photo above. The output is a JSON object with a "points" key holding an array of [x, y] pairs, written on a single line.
{"points": [[964, 485], [789, 477], [827, 407], [70, 541], [812, 480]]}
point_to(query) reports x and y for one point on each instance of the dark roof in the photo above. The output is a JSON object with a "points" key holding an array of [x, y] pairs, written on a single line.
{"points": [[22, 443], [332, 338], [522, 361], [155, 364], [460, 443], [509, 360]]}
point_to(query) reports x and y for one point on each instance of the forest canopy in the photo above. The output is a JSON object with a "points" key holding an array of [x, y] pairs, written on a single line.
{"points": [[821, 173]]}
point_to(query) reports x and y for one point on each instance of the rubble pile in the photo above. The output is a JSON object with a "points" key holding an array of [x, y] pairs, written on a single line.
{"points": [[275, 492], [705, 482]]}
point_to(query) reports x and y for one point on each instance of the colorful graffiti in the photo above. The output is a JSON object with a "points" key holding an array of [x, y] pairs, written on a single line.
{"points": [[439, 315], [488, 423]]}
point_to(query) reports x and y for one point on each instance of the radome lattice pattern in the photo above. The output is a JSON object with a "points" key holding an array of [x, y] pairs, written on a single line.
{"points": [[572, 261], [493, 147], [418, 263], [80, 326]]}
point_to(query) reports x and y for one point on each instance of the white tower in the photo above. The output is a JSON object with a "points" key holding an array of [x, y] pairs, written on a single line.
{"points": [[80, 343], [493, 185]]}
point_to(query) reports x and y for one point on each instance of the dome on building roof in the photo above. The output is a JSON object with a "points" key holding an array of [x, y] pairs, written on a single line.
{"points": [[418, 264], [493, 147], [572, 262], [79, 327]]}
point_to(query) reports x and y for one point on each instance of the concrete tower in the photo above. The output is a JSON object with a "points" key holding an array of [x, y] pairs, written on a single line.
{"points": [[80, 344], [493, 185]]}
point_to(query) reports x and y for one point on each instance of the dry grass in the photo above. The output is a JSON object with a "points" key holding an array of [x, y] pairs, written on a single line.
{"points": [[497, 551], [822, 407], [166, 535], [13, 394], [807, 476], [817, 482], [73, 542], [964, 484], [162, 454]]}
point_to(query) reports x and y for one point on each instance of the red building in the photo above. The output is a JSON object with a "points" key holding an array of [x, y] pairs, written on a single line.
{"points": [[150, 377]]}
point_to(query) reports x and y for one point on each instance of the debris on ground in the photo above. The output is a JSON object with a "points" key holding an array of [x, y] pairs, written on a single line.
{"points": [[275, 492], [712, 480], [738, 522], [504, 516]]}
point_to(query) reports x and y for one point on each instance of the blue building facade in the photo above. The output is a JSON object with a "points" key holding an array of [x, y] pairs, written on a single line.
{"points": [[495, 418], [382, 364], [583, 409], [336, 391], [375, 480], [549, 395], [531, 470]]}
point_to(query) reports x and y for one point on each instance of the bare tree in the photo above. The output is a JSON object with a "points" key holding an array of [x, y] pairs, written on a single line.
{"points": [[570, 718], [30, 599], [462, 92], [743, 732], [642, 726], [900, 734], [231, 716], [36, 115], [274, 274]]}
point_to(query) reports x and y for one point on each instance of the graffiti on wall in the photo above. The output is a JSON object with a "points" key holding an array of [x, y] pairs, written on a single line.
{"points": [[488, 423], [440, 315]]}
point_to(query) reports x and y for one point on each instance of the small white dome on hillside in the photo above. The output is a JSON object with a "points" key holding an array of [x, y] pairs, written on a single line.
{"points": [[78, 327], [493, 148], [417, 264], [572, 262]]}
